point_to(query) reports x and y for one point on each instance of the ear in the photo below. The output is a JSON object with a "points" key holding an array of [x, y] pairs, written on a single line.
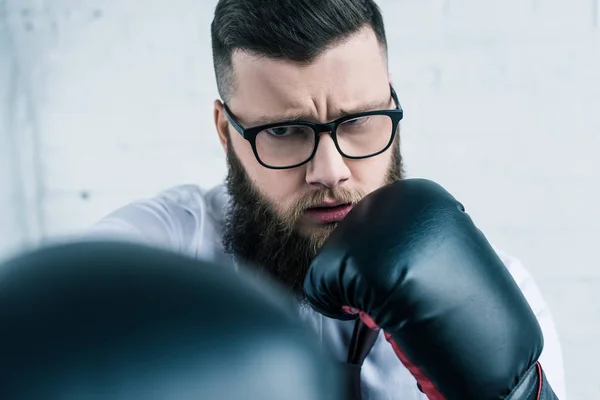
{"points": [[221, 123]]}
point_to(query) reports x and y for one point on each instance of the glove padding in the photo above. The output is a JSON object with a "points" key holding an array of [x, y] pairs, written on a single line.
{"points": [[412, 261], [112, 321]]}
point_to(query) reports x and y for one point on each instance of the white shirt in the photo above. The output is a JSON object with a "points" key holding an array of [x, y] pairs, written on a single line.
{"points": [[189, 220]]}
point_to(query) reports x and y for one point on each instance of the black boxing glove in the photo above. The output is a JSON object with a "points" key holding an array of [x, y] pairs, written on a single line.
{"points": [[108, 321], [411, 260]]}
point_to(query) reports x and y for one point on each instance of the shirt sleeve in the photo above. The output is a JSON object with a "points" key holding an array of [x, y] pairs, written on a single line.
{"points": [[157, 222], [552, 357]]}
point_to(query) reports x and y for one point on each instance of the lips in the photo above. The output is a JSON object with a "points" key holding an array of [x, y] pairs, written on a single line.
{"points": [[325, 214]]}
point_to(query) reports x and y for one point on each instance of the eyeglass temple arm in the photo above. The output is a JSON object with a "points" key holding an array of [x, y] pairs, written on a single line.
{"points": [[233, 121]]}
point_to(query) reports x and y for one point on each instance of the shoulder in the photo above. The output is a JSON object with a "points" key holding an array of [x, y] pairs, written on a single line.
{"points": [[174, 218], [552, 357]]}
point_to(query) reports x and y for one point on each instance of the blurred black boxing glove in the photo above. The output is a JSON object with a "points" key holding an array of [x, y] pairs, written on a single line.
{"points": [[410, 259], [108, 321]]}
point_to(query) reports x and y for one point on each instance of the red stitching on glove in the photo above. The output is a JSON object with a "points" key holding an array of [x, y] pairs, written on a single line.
{"points": [[427, 386], [425, 383], [540, 380]]}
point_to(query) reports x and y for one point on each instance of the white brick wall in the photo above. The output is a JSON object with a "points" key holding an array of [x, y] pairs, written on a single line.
{"points": [[107, 101]]}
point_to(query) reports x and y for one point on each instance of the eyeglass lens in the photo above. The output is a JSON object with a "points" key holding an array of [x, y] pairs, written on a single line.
{"points": [[289, 145]]}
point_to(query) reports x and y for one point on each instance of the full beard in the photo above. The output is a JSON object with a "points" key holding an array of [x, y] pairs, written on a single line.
{"points": [[270, 243]]}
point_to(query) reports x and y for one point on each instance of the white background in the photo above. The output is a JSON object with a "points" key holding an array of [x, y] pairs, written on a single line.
{"points": [[106, 101]]}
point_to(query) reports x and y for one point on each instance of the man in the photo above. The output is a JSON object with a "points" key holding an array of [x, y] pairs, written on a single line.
{"points": [[309, 121]]}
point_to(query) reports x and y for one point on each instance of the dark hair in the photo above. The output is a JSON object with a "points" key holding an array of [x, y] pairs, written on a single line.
{"points": [[296, 30]]}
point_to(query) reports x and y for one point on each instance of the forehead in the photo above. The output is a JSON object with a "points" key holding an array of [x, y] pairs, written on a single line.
{"points": [[344, 76]]}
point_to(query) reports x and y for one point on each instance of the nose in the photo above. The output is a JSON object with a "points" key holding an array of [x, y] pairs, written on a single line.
{"points": [[327, 168]]}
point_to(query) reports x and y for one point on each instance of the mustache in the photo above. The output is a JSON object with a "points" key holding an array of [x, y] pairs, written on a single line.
{"points": [[317, 197]]}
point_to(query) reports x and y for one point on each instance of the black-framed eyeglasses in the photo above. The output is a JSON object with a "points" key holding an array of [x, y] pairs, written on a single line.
{"points": [[290, 144]]}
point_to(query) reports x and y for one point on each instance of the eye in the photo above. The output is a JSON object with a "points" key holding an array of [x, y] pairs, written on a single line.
{"points": [[357, 121], [280, 131]]}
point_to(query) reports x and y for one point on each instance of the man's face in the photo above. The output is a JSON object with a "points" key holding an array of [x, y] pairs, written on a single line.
{"points": [[279, 218]]}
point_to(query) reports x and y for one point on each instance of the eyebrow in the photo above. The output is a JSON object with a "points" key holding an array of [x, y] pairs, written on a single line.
{"points": [[376, 105]]}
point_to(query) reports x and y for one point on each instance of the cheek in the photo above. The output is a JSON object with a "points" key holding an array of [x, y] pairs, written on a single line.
{"points": [[280, 187], [369, 174]]}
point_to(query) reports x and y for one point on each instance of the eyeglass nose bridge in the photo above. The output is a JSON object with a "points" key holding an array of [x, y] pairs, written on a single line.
{"points": [[324, 128]]}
